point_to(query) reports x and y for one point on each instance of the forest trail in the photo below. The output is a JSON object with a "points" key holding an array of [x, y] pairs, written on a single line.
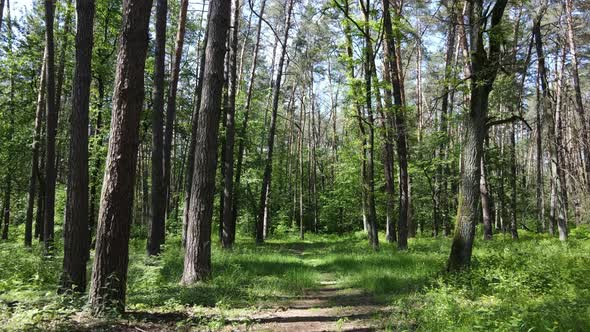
{"points": [[330, 307]]}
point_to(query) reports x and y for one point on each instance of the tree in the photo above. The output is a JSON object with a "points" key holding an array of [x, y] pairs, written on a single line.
{"points": [[157, 229], [484, 68], [51, 130], [109, 274], [76, 232], [197, 259], [585, 127], [400, 127], [263, 212], [228, 233], [35, 156], [172, 93], [247, 111]]}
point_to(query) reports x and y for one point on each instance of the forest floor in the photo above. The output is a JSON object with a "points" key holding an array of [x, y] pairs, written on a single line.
{"points": [[325, 283]]}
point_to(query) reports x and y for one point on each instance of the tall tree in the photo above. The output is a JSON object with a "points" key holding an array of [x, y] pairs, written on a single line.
{"points": [[197, 259], [172, 92], [51, 129], [400, 127], [585, 124], [76, 228], [263, 212], [109, 275], [228, 233], [247, 110], [35, 155], [484, 68], [157, 229]]}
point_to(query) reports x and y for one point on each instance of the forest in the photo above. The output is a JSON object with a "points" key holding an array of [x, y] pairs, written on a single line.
{"points": [[294, 165]]}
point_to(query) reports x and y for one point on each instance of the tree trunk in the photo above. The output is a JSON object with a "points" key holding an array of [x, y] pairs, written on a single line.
{"points": [[157, 228], [229, 227], [485, 201], [76, 228], [585, 125], [263, 213], [193, 143], [109, 275], [484, 68], [35, 156], [51, 125], [247, 108], [197, 260], [400, 127], [171, 106]]}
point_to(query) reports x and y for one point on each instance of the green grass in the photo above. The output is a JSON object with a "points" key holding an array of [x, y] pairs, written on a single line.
{"points": [[534, 284]]}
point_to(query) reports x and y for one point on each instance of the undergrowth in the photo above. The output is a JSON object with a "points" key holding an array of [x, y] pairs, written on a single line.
{"points": [[533, 284]]}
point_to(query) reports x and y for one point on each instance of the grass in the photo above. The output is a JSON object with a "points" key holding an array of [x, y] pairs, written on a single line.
{"points": [[534, 284]]}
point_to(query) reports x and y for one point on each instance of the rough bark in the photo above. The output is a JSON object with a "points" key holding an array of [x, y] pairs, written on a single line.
{"points": [[484, 68], [197, 260], [193, 143], [229, 227], [109, 275], [400, 127], [157, 227], [76, 228]]}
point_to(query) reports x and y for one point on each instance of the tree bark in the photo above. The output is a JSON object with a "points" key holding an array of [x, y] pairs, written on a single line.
{"points": [[171, 106], [109, 275], [585, 127], [400, 127], [76, 227], [197, 260], [247, 109], [157, 227], [484, 68], [193, 143], [229, 227], [263, 212], [51, 131], [35, 156]]}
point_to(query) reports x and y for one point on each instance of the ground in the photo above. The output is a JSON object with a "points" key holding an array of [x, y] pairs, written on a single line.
{"points": [[325, 283]]}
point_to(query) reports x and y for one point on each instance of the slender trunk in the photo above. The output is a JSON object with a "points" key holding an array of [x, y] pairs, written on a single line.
{"points": [[51, 131], [542, 101], [247, 108], [171, 106], [302, 118], [197, 260], [35, 157], [229, 228], [485, 201], [585, 125], [157, 227], [109, 275], [76, 230], [263, 213]]}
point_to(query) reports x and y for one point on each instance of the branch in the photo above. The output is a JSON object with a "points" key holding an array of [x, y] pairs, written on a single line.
{"points": [[511, 119]]}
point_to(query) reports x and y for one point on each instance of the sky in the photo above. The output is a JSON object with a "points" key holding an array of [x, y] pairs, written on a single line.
{"points": [[17, 6]]}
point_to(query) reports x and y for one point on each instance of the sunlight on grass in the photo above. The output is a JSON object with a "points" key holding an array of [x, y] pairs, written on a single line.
{"points": [[536, 283]]}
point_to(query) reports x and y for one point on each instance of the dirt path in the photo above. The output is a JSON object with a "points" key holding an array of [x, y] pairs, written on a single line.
{"points": [[329, 308]]}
